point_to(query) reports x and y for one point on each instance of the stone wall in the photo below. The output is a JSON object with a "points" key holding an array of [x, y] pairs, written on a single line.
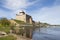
{"points": [[24, 17]]}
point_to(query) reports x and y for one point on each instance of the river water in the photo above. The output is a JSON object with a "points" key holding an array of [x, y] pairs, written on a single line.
{"points": [[50, 33]]}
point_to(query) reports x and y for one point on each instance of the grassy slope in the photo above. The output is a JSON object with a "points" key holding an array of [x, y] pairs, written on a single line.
{"points": [[19, 22], [5, 29], [8, 38]]}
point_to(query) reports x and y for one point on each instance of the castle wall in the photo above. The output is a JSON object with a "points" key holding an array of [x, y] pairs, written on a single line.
{"points": [[24, 17], [30, 20], [21, 17]]}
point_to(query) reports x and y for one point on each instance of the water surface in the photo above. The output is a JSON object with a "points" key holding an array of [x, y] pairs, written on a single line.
{"points": [[51, 33]]}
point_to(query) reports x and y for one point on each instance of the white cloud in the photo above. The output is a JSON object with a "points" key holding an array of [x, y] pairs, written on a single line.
{"points": [[17, 4], [14, 4], [50, 15]]}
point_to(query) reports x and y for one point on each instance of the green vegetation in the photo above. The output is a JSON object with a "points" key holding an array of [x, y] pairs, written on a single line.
{"points": [[5, 25], [4, 22], [8, 38], [5, 29], [19, 22]]}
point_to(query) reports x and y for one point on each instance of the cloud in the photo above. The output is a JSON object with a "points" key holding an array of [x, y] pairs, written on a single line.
{"points": [[39, 9], [14, 5], [48, 14], [18, 4]]}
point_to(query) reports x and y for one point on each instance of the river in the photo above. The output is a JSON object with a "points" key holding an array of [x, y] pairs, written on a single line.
{"points": [[50, 33]]}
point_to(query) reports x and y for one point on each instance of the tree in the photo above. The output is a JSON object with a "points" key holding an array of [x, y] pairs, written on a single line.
{"points": [[4, 22]]}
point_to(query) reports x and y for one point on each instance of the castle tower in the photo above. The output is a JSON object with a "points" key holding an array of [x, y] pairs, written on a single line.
{"points": [[24, 17], [21, 16]]}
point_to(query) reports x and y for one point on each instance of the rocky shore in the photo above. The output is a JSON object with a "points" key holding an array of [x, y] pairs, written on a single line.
{"points": [[20, 37]]}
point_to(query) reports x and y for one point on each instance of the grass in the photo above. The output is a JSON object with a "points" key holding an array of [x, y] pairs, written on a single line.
{"points": [[5, 29], [8, 38], [19, 22]]}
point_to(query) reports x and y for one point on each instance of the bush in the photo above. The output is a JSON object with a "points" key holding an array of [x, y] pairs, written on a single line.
{"points": [[4, 22]]}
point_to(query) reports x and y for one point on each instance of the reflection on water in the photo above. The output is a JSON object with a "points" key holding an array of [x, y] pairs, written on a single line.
{"points": [[52, 33]]}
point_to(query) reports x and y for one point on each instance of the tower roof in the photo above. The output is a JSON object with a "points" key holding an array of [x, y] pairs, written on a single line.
{"points": [[21, 11]]}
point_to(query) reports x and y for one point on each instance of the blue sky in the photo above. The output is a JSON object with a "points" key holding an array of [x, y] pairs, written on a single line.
{"points": [[41, 10]]}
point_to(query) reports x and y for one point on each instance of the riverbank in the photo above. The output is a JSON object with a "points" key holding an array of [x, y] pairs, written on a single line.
{"points": [[20, 37]]}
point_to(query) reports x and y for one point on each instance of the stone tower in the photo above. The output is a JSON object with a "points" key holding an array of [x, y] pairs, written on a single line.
{"points": [[24, 17]]}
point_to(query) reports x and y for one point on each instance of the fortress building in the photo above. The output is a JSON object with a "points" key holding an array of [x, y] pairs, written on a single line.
{"points": [[24, 17]]}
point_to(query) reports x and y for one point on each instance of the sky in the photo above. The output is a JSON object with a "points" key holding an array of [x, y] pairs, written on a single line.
{"points": [[46, 11]]}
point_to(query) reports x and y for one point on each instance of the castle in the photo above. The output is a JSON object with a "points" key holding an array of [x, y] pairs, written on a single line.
{"points": [[24, 17]]}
